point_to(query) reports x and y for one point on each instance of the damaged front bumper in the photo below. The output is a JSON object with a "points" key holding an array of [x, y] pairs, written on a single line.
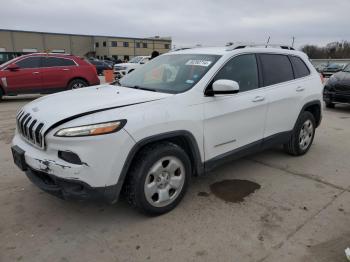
{"points": [[94, 173], [72, 189]]}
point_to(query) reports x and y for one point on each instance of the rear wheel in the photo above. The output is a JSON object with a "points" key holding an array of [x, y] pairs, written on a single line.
{"points": [[303, 135], [77, 83], [158, 179]]}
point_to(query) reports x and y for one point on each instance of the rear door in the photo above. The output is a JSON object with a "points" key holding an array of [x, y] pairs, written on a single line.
{"points": [[57, 72], [27, 79], [283, 91], [235, 121]]}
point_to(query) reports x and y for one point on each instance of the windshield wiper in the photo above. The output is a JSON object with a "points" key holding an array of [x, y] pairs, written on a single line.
{"points": [[142, 88]]}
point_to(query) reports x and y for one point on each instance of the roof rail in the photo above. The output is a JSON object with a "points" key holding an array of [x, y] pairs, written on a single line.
{"points": [[232, 46]]}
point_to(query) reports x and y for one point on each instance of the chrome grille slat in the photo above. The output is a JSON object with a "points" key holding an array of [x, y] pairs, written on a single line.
{"points": [[30, 129], [22, 122], [26, 126]]}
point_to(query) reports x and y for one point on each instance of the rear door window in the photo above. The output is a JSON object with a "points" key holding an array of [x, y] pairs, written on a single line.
{"points": [[243, 69], [55, 61], [300, 69], [30, 62], [276, 69]]}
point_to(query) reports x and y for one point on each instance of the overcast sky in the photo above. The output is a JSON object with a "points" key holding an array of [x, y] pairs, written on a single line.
{"points": [[188, 22]]}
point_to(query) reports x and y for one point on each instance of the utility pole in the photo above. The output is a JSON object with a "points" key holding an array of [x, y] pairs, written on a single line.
{"points": [[293, 41]]}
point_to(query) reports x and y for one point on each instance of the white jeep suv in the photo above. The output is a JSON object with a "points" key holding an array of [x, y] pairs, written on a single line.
{"points": [[125, 68], [179, 115]]}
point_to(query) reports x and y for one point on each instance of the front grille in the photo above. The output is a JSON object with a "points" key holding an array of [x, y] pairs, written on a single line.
{"points": [[30, 129]]}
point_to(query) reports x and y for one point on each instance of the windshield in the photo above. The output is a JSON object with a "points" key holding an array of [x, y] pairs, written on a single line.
{"points": [[136, 59], [170, 73], [7, 63]]}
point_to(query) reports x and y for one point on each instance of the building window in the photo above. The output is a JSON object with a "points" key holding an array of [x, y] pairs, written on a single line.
{"points": [[114, 44], [115, 57], [126, 44], [144, 45], [104, 44], [126, 57], [167, 46], [138, 44], [97, 44]]}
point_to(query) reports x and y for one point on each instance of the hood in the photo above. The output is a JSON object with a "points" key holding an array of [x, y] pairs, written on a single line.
{"points": [[69, 104]]}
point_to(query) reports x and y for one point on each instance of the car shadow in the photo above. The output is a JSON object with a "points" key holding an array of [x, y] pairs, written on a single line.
{"points": [[24, 98]]}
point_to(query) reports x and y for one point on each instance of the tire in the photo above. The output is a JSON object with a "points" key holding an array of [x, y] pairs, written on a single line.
{"points": [[77, 83], [152, 174], [330, 105], [303, 135]]}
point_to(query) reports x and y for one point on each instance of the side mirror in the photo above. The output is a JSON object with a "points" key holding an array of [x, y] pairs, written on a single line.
{"points": [[13, 67], [223, 87]]}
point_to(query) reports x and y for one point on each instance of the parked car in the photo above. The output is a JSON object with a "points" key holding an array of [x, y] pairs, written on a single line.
{"points": [[109, 62], [337, 88], [180, 115], [101, 66], [122, 69], [45, 73], [331, 69]]}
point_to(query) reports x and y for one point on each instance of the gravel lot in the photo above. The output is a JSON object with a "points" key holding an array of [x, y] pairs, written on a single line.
{"points": [[300, 213]]}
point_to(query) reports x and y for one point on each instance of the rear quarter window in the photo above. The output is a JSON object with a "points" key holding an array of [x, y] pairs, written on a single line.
{"points": [[276, 69], [300, 68], [55, 61]]}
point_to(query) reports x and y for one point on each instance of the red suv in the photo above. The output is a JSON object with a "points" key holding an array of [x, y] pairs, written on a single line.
{"points": [[45, 73]]}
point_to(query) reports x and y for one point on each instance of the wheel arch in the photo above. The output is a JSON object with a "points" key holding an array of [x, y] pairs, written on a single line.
{"points": [[182, 138], [77, 78], [315, 108]]}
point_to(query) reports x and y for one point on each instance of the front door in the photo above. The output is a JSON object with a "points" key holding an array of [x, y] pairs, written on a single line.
{"points": [[235, 121], [27, 79]]}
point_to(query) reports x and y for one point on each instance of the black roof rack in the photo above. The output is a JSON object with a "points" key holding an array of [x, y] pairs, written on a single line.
{"points": [[232, 46]]}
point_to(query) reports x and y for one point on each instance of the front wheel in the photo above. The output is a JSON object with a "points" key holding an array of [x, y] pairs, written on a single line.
{"points": [[303, 135], [158, 179]]}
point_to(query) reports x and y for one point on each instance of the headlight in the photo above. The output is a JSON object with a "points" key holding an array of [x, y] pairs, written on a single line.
{"points": [[92, 130]]}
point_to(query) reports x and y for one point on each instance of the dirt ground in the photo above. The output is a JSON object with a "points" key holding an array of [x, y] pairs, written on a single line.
{"points": [[299, 211]]}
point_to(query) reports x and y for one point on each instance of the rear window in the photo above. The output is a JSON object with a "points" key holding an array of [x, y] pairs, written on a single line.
{"points": [[300, 69], [55, 61], [276, 69]]}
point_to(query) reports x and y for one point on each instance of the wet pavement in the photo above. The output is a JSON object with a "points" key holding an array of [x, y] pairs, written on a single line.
{"points": [[266, 207]]}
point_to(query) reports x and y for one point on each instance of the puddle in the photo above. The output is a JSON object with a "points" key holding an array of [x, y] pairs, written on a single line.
{"points": [[234, 190], [203, 194]]}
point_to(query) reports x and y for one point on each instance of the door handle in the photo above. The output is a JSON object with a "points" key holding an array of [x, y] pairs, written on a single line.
{"points": [[300, 89], [258, 99], [35, 73]]}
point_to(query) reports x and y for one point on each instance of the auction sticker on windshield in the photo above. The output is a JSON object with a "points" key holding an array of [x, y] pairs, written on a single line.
{"points": [[199, 63]]}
